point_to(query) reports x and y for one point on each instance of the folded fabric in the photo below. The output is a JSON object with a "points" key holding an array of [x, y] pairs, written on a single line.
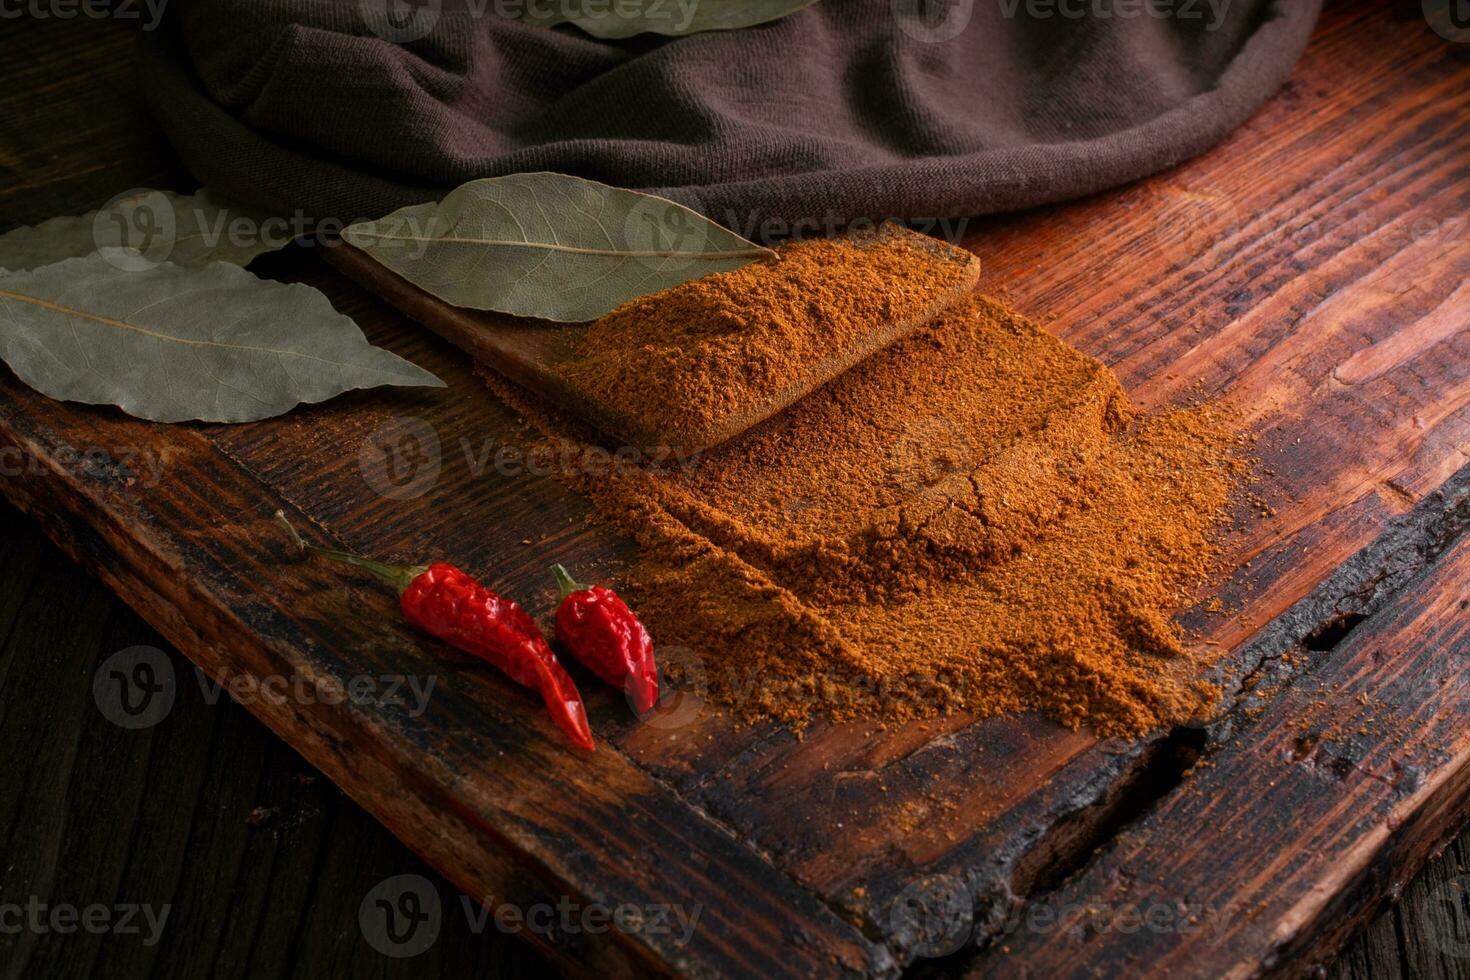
{"points": [[845, 109]]}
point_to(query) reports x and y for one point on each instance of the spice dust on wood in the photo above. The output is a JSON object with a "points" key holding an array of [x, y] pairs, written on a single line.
{"points": [[973, 520]]}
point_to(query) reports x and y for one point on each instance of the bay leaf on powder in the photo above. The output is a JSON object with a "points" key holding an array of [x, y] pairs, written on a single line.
{"points": [[172, 344], [549, 245]]}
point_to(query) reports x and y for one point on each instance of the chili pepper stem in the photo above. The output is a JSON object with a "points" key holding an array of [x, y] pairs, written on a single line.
{"points": [[565, 580], [398, 576]]}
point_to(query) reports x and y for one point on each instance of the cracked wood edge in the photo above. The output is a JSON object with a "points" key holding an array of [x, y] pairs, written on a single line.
{"points": [[1313, 804]]}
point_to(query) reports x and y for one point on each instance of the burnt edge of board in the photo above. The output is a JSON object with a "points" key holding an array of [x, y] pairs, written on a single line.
{"points": [[1084, 824], [1134, 777]]}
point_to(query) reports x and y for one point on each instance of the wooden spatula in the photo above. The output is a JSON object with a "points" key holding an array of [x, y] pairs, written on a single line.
{"points": [[529, 351]]}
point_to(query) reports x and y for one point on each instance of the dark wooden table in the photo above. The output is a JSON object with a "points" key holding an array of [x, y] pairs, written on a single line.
{"points": [[262, 861], [262, 864]]}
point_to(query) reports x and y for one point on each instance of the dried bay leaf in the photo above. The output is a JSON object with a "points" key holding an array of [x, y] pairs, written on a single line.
{"points": [[670, 17], [147, 228], [549, 245], [175, 343]]}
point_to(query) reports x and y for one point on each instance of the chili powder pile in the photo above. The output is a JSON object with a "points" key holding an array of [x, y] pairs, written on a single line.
{"points": [[974, 519], [694, 360]]}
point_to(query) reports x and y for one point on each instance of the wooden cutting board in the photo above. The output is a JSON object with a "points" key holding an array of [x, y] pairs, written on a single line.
{"points": [[533, 353], [1313, 269]]}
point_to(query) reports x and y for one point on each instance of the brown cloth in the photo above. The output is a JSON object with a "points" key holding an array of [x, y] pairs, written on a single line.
{"points": [[845, 109]]}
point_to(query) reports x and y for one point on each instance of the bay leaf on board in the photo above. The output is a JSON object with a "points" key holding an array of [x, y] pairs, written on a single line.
{"points": [[626, 18], [549, 245], [177, 343], [148, 227]]}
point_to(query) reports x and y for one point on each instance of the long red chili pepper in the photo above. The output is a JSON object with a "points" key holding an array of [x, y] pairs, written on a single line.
{"points": [[449, 604], [599, 629]]}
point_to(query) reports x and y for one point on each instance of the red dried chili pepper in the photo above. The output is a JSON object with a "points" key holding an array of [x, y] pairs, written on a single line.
{"points": [[449, 604], [599, 629]]}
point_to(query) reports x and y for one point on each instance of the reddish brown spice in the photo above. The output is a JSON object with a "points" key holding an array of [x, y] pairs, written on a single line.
{"points": [[975, 519], [694, 359], [450, 605], [596, 626]]}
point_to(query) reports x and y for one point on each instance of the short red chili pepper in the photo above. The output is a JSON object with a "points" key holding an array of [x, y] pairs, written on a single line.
{"points": [[598, 628], [449, 604]]}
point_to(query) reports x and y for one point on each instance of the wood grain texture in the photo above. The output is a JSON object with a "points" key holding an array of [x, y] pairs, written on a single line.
{"points": [[469, 782], [1262, 272], [184, 492], [261, 862], [209, 807], [1256, 273], [1288, 833]]}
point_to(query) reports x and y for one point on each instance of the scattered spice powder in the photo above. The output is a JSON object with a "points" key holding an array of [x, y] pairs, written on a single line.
{"points": [[974, 519]]}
